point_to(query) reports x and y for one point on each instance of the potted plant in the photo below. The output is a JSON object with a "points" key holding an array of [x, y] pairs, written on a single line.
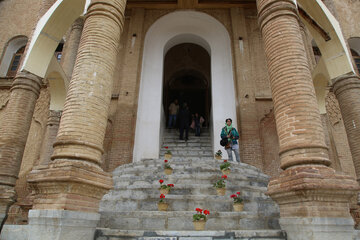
{"points": [[218, 155], [225, 167], [168, 154], [199, 219], [238, 202], [162, 205], [221, 186], [167, 168], [165, 189]]}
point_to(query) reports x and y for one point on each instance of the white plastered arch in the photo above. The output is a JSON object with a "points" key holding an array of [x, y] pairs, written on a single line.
{"points": [[49, 32], [335, 55], [168, 31]]}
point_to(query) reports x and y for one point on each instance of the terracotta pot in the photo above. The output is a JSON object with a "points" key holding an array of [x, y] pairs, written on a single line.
{"points": [[163, 206], [218, 157], [221, 191], [238, 207], [167, 156], [164, 191], [168, 171], [226, 172], [199, 225]]}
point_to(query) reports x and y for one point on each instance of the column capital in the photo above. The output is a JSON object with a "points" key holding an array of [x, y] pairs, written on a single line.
{"points": [[78, 24], [27, 81], [54, 117], [345, 82], [270, 9]]}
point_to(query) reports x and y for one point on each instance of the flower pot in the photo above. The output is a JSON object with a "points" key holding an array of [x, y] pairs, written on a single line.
{"points": [[221, 191], [168, 171], [226, 172], [199, 225], [163, 206], [238, 207], [218, 157], [167, 156], [164, 191]]}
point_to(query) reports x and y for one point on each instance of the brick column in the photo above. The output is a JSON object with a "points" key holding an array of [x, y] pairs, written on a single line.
{"points": [[313, 199], [347, 91], [51, 131], [71, 47], [14, 130], [73, 184]]}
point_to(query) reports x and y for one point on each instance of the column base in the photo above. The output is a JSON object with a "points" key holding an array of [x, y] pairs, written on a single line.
{"points": [[318, 228], [62, 225]]}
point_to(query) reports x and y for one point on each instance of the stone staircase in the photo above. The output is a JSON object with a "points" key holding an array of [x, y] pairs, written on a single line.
{"points": [[129, 211]]}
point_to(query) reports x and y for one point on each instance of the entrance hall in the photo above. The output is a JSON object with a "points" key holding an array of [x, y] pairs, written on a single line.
{"points": [[187, 79]]}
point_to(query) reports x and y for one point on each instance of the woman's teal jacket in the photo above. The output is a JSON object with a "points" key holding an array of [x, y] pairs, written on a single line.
{"points": [[234, 134]]}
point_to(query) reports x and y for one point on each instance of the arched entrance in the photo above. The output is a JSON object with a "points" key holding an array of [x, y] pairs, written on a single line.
{"points": [[187, 78], [171, 30]]}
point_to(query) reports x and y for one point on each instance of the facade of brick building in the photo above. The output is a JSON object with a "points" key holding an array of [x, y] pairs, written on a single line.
{"points": [[90, 93]]}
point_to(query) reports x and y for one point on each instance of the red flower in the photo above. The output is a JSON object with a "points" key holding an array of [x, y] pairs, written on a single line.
{"points": [[161, 181], [232, 196], [166, 147], [224, 176], [238, 193], [170, 185], [206, 212], [198, 210], [165, 160], [225, 160], [162, 196]]}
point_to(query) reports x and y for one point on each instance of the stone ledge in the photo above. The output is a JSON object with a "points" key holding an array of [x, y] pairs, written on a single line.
{"points": [[182, 235]]}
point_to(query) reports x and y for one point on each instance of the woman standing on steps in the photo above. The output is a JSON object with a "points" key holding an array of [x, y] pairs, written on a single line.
{"points": [[232, 135]]}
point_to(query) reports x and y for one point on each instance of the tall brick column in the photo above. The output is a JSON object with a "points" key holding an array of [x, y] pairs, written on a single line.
{"points": [[71, 47], [14, 130], [68, 191], [313, 199], [347, 91]]}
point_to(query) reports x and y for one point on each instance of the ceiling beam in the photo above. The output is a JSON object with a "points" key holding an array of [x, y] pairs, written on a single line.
{"points": [[196, 5]]}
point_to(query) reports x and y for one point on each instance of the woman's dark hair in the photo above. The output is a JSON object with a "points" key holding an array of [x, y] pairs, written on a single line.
{"points": [[228, 119]]}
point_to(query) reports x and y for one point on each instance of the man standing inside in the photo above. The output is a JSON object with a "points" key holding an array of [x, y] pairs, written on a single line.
{"points": [[173, 111]]}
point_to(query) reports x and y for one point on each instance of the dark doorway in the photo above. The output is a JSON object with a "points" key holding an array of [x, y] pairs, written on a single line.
{"points": [[187, 78]]}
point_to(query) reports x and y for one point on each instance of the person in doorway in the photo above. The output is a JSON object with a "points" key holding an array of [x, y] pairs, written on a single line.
{"points": [[184, 119], [197, 125], [173, 112], [232, 135]]}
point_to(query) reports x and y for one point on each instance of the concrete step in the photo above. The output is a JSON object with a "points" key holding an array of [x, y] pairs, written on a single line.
{"points": [[262, 205], [182, 220], [132, 204], [187, 152], [180, 143], [114, 234]]}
